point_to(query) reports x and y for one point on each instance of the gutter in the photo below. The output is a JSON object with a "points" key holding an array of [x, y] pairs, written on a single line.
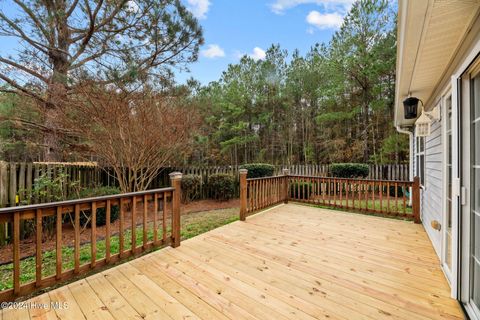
{"points": [[410, 162]]}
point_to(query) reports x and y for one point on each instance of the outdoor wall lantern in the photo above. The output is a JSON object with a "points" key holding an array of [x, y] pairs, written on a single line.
{"points": [[423, 124], [410, 106]]}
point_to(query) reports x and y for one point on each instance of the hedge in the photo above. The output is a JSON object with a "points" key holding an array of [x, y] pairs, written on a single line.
{"points": [[301, 190], [221, 186], [191, 187], [258, 170], [349, 170]]}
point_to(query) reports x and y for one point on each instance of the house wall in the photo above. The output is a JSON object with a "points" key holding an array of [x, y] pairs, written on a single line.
{"points": [[431, 196]]}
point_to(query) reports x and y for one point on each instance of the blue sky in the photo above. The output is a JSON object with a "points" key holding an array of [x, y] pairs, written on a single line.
{"points": [[236, 27], [233, 28]]}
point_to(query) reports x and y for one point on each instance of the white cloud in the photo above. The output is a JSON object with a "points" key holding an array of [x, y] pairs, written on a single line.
{"points": [[213, 51], [325, 20], [280, 6], [198, 8], [258, 54]]}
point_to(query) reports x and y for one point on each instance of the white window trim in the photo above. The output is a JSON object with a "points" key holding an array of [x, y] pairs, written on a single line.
{"points": [[446, 269]]}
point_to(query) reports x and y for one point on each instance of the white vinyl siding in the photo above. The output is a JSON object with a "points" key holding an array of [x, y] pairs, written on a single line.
{"points": [[431, 195]]}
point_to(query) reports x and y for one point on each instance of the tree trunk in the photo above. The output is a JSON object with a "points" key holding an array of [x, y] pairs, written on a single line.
{"points": [[57, 88]]}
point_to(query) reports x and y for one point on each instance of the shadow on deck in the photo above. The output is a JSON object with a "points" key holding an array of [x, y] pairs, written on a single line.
{"points": [[289, 262]]}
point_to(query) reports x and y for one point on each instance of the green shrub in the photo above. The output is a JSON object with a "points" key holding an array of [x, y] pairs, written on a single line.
{"points": [[349, 170], [258, 170], [190, 187], [101, 212], [301, 190], [221, 186]]}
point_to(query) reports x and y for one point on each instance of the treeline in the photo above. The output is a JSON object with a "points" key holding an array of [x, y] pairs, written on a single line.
{"points": [[335, 104]]}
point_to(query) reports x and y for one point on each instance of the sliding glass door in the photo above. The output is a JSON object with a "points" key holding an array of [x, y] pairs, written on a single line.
{"points": [[475, 195], [447, 236]]}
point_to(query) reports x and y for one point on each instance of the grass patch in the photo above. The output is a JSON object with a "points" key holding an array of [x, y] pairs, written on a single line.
{"points": [[193, 224]]}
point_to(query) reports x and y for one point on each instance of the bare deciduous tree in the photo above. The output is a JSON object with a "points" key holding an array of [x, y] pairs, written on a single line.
{"points": [[136, 134], [59, 42]]}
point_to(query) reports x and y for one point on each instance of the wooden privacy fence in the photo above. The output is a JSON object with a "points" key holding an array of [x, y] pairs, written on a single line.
{"points": [[146, 219], [17, 179], [381, 197]]}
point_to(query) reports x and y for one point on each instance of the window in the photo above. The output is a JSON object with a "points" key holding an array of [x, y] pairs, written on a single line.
{"points": [[420, 154]]}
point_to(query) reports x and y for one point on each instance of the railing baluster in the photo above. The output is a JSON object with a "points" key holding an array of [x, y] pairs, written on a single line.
{"points": [[164, 218], [347, 205], [38, 254], [108, 214], [373, 196], [134, 225], [396, 199], [94, 235], [388, 197], [145, 221], [334, 192], [122, 227], [380, 188], [324, 190], [77, 239], [353, 193], [16, 253], [155, 218], [58, 240], [366, 196]]}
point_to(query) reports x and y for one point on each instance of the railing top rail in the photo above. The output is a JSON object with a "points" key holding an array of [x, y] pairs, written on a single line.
{"points": [[353, 179], [82, 200], [266, 178]]}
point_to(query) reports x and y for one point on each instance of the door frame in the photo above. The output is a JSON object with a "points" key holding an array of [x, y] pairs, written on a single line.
{"points": [[448, 271], [466, 183]]}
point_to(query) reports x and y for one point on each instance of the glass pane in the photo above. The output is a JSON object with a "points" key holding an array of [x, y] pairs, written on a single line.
{"points": [[476, 191], [422, 170], [449, 148], [477, 138], [476, 97], [448, 106], [476, 245], [449, 182], [449, 249], [476, 261], [476, 283]]}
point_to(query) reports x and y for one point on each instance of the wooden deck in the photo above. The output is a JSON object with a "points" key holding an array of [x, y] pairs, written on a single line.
{"points": [[290, 262]]}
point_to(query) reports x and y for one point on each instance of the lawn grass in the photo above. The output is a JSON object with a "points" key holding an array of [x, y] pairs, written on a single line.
{"points": [[193, 224]]}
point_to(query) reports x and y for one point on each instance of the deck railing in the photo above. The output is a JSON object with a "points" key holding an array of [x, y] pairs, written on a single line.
{"points": [[381, 197], [153, 220]]}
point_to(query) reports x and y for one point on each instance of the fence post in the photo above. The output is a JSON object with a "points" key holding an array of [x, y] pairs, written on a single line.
{"points": [[176, 182], [286, 173], [243, 194], [416, 200]]}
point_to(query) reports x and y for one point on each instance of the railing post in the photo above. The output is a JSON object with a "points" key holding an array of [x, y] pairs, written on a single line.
{"points": [[286, 173], [416, 200], [176, 182], [243, 194]]}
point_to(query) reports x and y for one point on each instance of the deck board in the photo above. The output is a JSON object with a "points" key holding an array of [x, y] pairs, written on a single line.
{"points": [[289, 262]]}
